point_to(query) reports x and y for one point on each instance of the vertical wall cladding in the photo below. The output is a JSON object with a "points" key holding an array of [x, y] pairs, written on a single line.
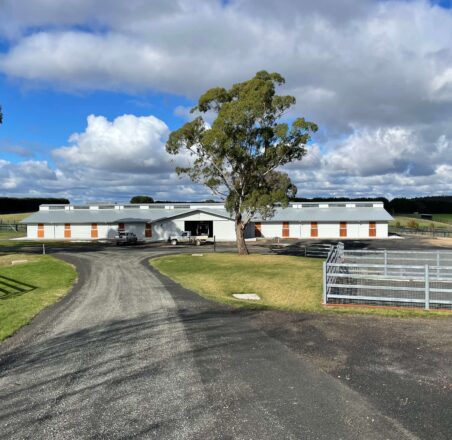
{"points": [[295, 230], [271, 229], [382, 230], [32, 231]]}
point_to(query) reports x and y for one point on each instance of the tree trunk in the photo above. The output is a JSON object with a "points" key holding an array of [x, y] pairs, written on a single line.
{"points": [[240, 236]]}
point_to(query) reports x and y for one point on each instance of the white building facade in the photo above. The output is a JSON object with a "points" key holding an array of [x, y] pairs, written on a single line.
{"points": [[158, 221]]}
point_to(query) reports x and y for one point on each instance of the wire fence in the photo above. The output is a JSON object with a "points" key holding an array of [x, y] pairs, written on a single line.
{"points": [[391, 278], [428, 232]]}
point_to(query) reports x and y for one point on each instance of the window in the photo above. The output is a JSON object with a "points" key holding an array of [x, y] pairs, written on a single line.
{"points": [[285, 229], [148, 230], [343, 229], [40, 230], [258, 229], [314, 229], [372, 229], [94, 232], [67, 230]]}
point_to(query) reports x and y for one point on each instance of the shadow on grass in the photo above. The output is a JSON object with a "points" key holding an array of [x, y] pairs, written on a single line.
{"points": [[9, 287]]}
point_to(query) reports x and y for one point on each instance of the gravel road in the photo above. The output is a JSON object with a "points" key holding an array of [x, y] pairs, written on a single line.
{"points": [[129, 354]]}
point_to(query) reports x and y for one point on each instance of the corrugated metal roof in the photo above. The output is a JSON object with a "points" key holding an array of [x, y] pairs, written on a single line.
{"points": [[336, 214], [81, 216]]}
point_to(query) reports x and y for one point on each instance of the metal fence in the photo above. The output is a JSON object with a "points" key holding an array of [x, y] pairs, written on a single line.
{"points": [[8, 227], [391, 278], [429, 232]]}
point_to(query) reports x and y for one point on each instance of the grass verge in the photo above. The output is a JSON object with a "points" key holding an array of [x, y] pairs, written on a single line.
{"points": [[283, 282], [28, 287]]}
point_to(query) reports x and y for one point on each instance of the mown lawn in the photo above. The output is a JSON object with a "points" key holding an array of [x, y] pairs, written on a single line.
{"points": [[288, 283], [28, 287], [283, 282]]}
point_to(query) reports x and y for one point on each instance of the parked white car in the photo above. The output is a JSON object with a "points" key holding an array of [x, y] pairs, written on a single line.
{"points": [[186, 237]]}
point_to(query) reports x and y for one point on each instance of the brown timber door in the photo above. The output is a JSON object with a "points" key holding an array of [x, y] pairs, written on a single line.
{"points": [[67, 230], [40, 230], [94, 230], [343, 229], [314, 229], [372, 229], [148, 230], [258, 229], [285, 229], [121, 227]]}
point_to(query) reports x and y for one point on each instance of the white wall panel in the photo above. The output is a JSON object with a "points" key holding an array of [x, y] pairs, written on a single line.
{"points": [[32, 231]]}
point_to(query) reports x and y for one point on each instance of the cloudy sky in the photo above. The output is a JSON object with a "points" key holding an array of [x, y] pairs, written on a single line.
{"points": [[90, 91]]}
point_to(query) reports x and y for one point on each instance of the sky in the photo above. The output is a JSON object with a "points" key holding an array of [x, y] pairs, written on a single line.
{"points": [[91, 90]]}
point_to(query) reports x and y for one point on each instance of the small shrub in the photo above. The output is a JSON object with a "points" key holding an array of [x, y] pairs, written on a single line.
{"points": [[413, 224]]}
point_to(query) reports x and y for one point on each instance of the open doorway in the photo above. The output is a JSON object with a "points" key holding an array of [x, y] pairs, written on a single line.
{"points": [[199, 227]]}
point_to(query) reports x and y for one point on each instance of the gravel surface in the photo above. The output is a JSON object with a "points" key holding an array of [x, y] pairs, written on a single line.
{"points": [[130, 354]]}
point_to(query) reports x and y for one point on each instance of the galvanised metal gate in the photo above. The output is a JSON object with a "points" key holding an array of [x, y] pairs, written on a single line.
{"points": [[391, 278]]}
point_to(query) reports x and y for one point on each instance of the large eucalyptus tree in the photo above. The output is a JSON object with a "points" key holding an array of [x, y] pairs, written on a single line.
{"points": [[238, 156]]}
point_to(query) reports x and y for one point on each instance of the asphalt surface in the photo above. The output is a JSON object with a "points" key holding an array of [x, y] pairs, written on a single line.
{"points": [[129, 354]]}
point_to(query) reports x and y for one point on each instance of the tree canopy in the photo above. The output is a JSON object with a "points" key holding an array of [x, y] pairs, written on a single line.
{"points": [[238, 156], [141, 199]]}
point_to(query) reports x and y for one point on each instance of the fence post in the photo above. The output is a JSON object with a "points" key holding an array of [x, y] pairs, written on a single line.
{"points": [[427, 289], [437, 264], [214, 244], [43, 249], [386, 262], [325, 299]]}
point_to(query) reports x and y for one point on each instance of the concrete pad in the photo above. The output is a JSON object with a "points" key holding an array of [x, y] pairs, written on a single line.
{"points": [[251, 296]]}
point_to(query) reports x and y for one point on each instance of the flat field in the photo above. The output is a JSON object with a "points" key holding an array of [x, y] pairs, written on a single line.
{"points": [[29, 285]]}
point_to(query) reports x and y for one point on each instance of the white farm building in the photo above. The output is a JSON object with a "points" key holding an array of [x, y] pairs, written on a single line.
{"points": [[157, 221]]}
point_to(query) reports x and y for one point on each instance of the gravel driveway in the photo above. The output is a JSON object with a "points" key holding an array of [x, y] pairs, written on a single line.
{"points": [[129, 354]]}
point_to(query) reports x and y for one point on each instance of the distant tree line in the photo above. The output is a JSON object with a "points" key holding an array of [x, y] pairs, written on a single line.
{"points": [[12, 205]]}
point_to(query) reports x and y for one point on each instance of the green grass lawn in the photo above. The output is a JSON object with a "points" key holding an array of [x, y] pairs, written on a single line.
{"points": [[283, 282], [404, 222], [14, 218], [444, 218], [28, 287]]}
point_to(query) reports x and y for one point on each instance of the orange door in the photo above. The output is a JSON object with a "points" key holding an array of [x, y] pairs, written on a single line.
{"points": [[372, 229], [40, 230], [285, 229], [258, 229], [314, 229], [94, 233], [343, 229], [67, 230], [148, 230]]}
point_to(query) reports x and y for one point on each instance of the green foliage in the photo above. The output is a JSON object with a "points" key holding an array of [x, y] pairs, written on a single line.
{"points": [[141, 199], [238, 156]]}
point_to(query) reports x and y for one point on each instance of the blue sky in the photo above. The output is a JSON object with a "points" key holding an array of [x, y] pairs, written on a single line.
{"points": [[90, 91]]}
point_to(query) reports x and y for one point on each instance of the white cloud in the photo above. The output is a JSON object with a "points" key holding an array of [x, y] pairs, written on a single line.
{"points": [[127, 144]]}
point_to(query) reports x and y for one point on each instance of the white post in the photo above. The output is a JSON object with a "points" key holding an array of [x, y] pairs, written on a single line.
{"points": [[386, 262], [325, 299], [437, 264], [427, 289]]}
